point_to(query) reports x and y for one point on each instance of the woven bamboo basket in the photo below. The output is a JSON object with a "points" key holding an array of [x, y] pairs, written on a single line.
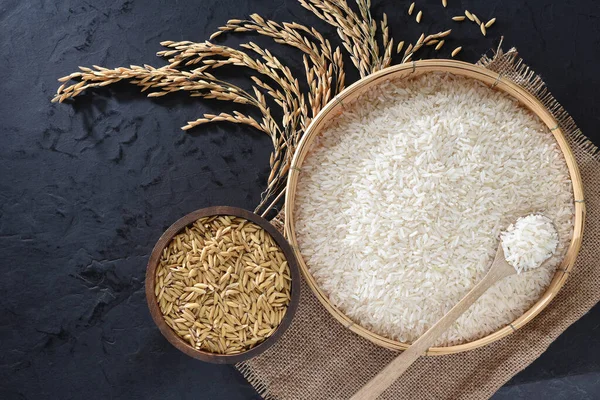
{"points": [[492, 79]]}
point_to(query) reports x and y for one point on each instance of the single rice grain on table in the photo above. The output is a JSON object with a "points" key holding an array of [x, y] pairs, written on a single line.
{"points": [[401, 201]]}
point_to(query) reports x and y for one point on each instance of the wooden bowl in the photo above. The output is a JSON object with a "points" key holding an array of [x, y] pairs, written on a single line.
{"points": [[492, 79], [157, 316]]}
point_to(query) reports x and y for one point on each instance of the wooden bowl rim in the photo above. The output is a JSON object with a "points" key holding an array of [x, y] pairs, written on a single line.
{"points": [[156, 314], [494, 80]]}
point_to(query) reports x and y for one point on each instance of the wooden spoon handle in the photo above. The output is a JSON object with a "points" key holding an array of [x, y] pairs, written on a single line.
{"points": [[400, 364]]}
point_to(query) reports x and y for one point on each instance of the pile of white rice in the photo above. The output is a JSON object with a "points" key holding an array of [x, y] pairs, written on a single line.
{"points": [[529, 242], [401, 201]]}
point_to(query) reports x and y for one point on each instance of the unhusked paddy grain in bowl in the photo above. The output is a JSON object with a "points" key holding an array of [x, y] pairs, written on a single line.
{"points": [[223, 284], [402, 198]]}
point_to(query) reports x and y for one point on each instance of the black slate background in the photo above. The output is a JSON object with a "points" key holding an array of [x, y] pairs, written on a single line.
{"points": [[87, 188]]}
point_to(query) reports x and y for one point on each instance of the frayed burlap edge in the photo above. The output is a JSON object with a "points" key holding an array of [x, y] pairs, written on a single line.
{"points": [[319, 359], [510, 66]]}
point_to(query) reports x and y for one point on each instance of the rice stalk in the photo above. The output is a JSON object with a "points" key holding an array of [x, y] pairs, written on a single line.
{"points": [[357, 32], [192, 64], [324, 66], [424, 41]]}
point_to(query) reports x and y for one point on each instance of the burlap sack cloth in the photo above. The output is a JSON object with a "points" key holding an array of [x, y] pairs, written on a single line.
{"points": [[318, 358]]}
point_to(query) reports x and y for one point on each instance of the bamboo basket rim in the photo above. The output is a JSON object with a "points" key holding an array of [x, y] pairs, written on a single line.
{"points": [[493, 80]]}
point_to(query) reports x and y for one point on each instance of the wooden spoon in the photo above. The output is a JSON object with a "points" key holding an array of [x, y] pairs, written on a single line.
{"points": [[499, 270]]}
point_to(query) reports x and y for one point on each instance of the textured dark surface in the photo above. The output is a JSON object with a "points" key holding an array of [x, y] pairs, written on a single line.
{"points": [[87, 188]]}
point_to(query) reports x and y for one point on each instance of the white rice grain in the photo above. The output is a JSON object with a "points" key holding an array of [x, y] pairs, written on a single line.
{"points": [[402, 199], [529, 242]]}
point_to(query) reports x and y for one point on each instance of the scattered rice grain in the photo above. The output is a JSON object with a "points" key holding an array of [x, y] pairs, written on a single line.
{"points": [[490, 22], [399, 48]]}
